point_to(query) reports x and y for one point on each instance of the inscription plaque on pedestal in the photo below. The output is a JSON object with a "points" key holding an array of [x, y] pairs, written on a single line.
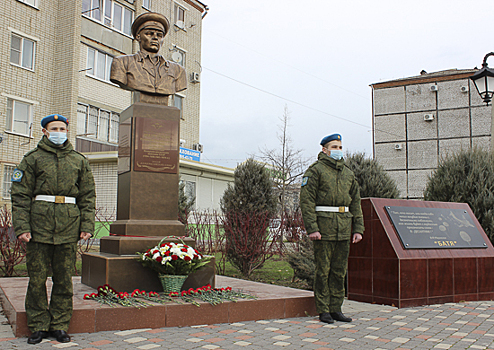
{"points": [[156, 145], [420, 228]]}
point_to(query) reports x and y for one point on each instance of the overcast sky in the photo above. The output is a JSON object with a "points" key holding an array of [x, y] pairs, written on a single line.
{"points": [[318, 57]]}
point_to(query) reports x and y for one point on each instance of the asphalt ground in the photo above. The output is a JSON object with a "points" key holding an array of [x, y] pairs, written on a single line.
{"points": [[468, 325]]}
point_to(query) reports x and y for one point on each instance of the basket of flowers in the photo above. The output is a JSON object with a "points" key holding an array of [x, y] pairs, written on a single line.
{"points": [[173, 262]]}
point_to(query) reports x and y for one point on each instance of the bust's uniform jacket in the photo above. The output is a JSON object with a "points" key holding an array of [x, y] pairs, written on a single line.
{"points": [[329, 182], [59, 171], [132, 72]]}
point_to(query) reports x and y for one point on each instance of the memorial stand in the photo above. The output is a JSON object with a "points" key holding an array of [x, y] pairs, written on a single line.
{"points": [[451, 261], [147, 201]]}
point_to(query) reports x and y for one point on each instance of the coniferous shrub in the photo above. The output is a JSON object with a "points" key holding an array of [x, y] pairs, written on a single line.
{"points": [[466, 177], [247, 207], [373, 180], [302, 261]]}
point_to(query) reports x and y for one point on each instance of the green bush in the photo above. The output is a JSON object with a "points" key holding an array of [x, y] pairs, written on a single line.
{"points": [[373, 180], [302, 261], [466, 177], [247, 207]]}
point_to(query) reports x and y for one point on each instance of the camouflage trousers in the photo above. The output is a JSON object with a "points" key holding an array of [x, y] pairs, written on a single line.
{"points": [[331, 259], [41, 260]]}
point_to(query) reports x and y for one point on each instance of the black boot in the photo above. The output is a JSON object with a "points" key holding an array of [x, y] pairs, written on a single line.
{"points": [[37, 337], [338, 316], [61, 336], [326, 317]]}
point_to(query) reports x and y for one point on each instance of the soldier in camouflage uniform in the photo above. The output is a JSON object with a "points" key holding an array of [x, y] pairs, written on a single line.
{"points": [[330, 203], [53, 199]]}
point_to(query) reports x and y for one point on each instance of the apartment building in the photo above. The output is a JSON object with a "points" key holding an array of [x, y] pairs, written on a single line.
{"points": [[58, 61], [421, 119]]}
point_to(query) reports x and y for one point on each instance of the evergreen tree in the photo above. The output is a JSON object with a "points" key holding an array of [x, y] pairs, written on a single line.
{"points": [[247, 207], [466, 177], [252, 190], [371, 177]]}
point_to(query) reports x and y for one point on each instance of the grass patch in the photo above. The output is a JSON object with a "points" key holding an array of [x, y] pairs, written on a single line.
{"points": [[274, 271]]}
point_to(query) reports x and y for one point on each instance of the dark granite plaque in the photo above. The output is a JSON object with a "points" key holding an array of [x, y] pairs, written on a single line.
{"points": [[420, 228], [124, 144], [156, 147]]}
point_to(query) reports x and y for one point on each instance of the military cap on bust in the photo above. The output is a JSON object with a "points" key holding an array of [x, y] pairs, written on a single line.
{"points": [[329, 138], [150, 20], [53, 118]]}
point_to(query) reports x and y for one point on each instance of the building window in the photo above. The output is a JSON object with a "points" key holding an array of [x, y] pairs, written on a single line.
{"points": [[97, 123], [178, 102], [179, 16], [98, 64], [19, 116], [147, 4], [8, 170], [33, 3], [22, 51], [110, 13]]}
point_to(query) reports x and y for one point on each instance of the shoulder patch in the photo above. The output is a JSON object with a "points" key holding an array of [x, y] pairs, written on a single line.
{"points": [[17, 175], [305, 179]]}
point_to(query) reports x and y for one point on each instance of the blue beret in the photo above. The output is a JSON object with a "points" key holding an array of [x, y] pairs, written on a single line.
{"points": [[53, 118], [330, 138]]}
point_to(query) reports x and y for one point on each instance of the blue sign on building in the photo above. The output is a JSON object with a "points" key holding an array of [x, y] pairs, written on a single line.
{"points": [[186, 153]]}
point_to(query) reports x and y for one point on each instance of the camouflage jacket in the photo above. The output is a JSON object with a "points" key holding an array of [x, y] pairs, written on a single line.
{"points": [[328, 182], [59, 171]]}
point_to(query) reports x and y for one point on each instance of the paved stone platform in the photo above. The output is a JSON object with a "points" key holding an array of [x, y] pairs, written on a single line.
{"points": [[455, 326], [448, 326]]}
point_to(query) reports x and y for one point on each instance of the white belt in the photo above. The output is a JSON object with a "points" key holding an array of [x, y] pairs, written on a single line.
{"points": [[55, 199], [332, 209]]}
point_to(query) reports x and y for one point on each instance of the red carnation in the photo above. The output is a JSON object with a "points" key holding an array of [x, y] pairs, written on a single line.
{"points": [[184, 250], [159, 258], [167, 253], [187, 258], [174, 257]]}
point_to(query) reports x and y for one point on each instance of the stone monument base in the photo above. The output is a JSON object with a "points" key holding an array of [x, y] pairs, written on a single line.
{"points": [[117, 265], [273, 302]]}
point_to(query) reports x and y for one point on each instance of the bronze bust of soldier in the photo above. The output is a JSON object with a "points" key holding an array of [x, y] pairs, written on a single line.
{"points": [[147, 71]]}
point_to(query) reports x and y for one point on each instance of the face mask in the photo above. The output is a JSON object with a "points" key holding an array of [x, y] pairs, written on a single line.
{"points": [[336, 154], [58, 138]]}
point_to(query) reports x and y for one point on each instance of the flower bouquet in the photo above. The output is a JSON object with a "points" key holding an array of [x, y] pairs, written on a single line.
{"points": [[173, 262]]}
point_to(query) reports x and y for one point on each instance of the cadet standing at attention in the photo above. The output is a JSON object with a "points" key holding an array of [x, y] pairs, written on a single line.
{"points": [[53, 199], [330, 203]]}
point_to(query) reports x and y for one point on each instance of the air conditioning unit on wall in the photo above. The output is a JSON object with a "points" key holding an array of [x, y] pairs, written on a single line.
{"points": [[434, 88], [195, 77], [398, 146], [429, 117], [197, 147]]}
